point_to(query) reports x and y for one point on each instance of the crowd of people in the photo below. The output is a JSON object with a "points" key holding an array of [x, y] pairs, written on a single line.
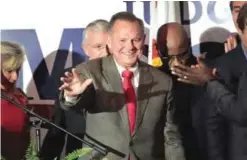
{"points": [[190, 108]]}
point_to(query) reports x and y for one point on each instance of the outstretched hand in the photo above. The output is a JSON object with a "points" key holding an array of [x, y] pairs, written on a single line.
{"points": [[196, 74], [73, 85]]}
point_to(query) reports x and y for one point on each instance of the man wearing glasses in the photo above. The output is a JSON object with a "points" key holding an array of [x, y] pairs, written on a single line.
{"points": [[174, 48]]}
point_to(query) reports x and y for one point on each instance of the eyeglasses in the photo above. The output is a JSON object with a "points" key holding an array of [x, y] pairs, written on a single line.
{"points": [[98, 47], [164, 54]]}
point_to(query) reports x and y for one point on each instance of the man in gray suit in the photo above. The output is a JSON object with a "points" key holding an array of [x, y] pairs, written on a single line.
{"points": [[135, 114]]}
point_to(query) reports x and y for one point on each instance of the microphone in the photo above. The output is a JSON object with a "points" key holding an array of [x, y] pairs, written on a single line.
{"points": [[102, 151]]}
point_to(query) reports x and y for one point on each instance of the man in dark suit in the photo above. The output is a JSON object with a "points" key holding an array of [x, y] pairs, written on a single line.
{"points": [[94, 45], [230, 99], [173, 47], [217, 126], [132, 113], [225, 122]]}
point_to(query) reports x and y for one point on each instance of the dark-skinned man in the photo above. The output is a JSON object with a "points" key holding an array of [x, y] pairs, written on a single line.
{"points": [[173, 48]]}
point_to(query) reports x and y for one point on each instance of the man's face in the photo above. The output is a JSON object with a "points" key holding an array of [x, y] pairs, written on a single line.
{"points": [[174, 51], [236, 6], [180, 56], [126, 42], [95, 44]]}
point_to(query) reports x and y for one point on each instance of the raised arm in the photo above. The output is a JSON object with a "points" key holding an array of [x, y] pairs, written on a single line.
{"points": [[77, 90], [232, 106]]}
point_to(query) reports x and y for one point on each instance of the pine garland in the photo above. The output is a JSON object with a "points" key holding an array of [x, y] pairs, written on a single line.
{"points": [[2, 158], [31, 153], [78, 153]]}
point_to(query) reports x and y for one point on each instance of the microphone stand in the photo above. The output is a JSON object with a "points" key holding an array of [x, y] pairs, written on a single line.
{"points": [[102, 151], [37, 125]]}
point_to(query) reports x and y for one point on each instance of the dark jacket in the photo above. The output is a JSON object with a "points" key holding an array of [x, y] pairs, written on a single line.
{"points": [[227, 137], [55, 140]]}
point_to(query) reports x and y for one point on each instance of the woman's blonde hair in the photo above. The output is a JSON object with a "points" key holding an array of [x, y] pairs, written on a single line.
{"points": [[12, 55]]}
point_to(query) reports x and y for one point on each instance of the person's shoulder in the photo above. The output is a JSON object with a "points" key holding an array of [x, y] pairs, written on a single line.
{"points": [[91, 64], [156, 72], [233, 53], [19, 91], [229, 57], [21, 95]]}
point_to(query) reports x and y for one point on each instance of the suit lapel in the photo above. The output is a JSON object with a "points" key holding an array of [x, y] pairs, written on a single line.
{"points": [[241, 56], [111, 74], [145, 85], [114, 81], [241, 60]]}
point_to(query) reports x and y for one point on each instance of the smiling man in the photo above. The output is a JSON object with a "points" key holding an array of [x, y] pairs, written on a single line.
{"points": [[129, 103]]}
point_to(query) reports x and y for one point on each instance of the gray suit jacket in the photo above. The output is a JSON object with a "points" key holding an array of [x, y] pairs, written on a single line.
{"points": [[156, 135]]}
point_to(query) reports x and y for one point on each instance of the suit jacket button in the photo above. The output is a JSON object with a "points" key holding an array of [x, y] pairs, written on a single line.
{"points": [[131, 143]]}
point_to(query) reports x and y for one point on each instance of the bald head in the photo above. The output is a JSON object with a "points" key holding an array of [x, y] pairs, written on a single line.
{"points": [[173, 37]]}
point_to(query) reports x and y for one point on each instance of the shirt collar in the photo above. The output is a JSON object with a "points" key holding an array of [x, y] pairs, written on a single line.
{"points": [[120, 69]]}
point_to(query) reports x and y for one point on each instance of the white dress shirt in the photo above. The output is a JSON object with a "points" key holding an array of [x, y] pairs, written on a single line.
{"points": [[135, 79], [135, 70]]}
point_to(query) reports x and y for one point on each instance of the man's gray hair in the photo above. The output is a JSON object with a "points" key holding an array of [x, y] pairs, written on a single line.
{"points": [[99, 25], [126, 16]]}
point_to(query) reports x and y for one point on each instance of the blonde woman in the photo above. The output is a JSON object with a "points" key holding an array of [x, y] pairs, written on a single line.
{"points": [[14, 128]]}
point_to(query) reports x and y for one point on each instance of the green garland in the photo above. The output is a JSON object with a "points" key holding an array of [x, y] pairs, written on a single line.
{"points": [[2, 158], [78, 153], [31, 153]]}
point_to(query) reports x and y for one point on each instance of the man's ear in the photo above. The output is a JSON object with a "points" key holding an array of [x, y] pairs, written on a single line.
{"points": [[109, 41], [144, 38], [84, 48]]}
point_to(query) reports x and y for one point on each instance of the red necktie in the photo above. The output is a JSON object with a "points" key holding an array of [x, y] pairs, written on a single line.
{"points": [[130, 98]]}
